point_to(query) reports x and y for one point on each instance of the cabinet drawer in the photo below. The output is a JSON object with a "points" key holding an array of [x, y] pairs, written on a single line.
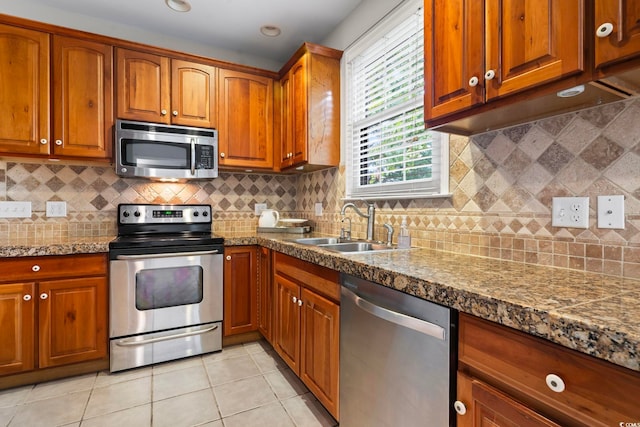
{"points": [[595, 392], [319, 279], [47, 267]]}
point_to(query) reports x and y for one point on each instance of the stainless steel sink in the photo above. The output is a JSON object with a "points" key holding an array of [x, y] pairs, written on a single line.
{"points": [[317, 241], [357, 247]]}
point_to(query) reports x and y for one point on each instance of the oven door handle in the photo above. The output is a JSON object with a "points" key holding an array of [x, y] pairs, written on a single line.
{"points": [[171, 254], [132, 343]]}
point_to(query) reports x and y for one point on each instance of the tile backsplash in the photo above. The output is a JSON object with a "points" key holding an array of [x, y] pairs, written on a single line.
{"points": [[501, 182]]}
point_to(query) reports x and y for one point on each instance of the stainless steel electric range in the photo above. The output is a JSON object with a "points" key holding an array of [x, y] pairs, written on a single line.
{"points": [[165, 285]]}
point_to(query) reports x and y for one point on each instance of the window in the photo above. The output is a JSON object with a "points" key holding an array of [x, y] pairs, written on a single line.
{"points": [[389, 154]]}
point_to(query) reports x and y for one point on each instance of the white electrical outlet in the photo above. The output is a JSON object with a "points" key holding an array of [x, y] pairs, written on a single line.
{"points": [[15, 209], [611, 212], [259, 207], [572, 212], [56, 209], [318, 209]]}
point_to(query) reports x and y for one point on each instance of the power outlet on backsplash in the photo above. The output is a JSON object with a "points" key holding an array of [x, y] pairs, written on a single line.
{"points": [[15, 209], [259, 207], [56, 209]]}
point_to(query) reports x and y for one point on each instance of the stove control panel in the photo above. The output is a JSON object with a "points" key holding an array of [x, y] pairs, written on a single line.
{"points": [[163, 214]]}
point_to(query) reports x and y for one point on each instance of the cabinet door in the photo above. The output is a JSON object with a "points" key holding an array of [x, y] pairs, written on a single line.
{"points": [[623, 41], [287, 322], [286, 123], [143, 86], [24, 89], [488, 407], [240, 290], [73, 320], [193, 94], [82, 108], [529, 42], [17, 328], [320, 345], [265, 294], [454, 56], [246, 120], [298, 104]]}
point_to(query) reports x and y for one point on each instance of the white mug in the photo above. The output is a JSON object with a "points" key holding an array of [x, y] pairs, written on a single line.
{"points": [[268, 218]]}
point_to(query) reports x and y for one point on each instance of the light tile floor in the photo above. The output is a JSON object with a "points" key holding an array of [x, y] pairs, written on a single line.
{"points": [[242, 386]]}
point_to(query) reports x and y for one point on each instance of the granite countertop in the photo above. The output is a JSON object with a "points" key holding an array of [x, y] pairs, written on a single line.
{"points": [[592, 313]]}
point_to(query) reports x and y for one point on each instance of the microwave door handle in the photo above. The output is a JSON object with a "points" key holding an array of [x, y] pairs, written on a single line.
{"points": [[193, 156]]}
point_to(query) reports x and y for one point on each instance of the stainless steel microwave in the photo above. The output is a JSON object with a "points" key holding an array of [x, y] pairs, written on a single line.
{"points": [[167, 152]]}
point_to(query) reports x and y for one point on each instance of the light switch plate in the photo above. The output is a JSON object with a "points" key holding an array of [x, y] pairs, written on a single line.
{"points": [[259, 207], [571, 212], [15, 209], [56, 209], [611, 212], [318, 209]]}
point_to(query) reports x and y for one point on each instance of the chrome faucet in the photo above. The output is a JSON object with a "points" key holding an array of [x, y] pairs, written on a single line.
{"points": [[370, 216], [389, 228]]}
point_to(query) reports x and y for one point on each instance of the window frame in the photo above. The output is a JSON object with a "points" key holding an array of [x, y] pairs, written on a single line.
{"points": [[404, 189]]}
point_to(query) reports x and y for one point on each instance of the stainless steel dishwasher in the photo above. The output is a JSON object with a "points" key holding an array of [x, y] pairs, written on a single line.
{"points": [[397, 358]]}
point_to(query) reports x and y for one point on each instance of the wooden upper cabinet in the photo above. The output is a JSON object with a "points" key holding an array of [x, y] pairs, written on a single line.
{"points": [[25, 87], [83, 98], [245, 135], [617, 31], [17, 327], [310, 108], [159, 89], [143, 86], [479, 51], [193, 94]]}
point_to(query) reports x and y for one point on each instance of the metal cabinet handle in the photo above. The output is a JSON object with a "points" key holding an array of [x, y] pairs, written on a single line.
{"points": [[222, 155], [163, 112], [27, 297], [175, 113], [44, 295], [299, 303], [555, 383], [489, 75], [35, 268], [473, 81], [44, 141], [58, 142], [228, 258], [604, 30], [460, 407], [294, 299]]}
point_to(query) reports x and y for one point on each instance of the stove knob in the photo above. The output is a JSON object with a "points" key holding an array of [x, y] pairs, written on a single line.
{"points": [[205, 213], [196, 213], [136, 213], [125, 214]]}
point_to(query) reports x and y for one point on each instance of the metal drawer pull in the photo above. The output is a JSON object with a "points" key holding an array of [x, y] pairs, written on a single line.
{"points": [[44, 295], [418, 325], [460, 407], [473, 81], [27, 297], [555, 383], [132, 343], [177, 254], [35, 268], [294, 299]]}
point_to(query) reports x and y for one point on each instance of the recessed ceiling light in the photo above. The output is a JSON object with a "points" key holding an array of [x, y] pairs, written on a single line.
{"points": [[270, 30], [179, 5]]}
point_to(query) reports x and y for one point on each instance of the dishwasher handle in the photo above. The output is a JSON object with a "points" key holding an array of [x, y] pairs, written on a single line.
{"points": [[418, 325]]}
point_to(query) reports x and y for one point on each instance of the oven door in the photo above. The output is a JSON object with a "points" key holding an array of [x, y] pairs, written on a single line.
{"points": [[159, 292]]}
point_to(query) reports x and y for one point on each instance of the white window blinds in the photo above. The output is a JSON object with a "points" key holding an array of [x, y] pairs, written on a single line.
{"points": [[389, 152]]}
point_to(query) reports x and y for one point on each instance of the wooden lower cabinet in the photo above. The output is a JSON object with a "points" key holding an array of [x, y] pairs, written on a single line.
{"points": [[240, 290], [265, 294], [488, 407], [53, 311], [509, 378], [307, 325]]}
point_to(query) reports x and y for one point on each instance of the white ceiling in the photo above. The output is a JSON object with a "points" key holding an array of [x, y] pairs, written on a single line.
{"points": [[232, 25]]}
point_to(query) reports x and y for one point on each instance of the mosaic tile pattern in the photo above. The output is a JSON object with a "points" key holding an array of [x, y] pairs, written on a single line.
{"points": [[502, 183]]}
